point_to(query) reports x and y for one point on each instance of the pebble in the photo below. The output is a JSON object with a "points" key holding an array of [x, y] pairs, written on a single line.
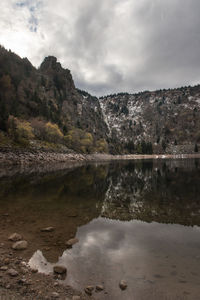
{"points": [[4, 268], [20, 245], [15, 237], [6, 261], [123, 284], [34, 270], [99, 288], [55, 295], [71, 242], [76, 298], [56, 284], [47, 229], [13, 273], [89, 289]]}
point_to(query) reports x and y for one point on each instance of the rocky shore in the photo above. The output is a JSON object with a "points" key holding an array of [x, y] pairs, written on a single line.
{"points": [[18, 281], [21, 157]]}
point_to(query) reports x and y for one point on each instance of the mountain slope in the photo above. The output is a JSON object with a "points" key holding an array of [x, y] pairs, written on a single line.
{"points": [[168, 119], [43, 105]]}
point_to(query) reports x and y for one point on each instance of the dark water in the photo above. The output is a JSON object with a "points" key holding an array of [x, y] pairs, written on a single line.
{"points": [[137, 221]]}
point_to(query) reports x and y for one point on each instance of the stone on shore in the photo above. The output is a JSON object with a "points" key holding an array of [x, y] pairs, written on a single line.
{"points": [[20, 245]]}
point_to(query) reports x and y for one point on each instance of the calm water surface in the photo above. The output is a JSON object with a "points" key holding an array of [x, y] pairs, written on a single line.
{"points": [[137, 221]]}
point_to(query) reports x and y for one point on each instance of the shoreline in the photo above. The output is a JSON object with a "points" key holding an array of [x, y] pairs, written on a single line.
{"points": [[41, 158]]}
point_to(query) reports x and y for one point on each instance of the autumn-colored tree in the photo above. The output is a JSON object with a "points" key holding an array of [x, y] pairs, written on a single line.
{"points": [[53, 133]]}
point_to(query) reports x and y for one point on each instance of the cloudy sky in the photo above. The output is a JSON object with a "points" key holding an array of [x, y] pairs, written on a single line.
{"points": [[109, 45]]}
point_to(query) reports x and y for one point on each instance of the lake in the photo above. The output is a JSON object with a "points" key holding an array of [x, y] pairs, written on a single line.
{"points": [[135, 220]]}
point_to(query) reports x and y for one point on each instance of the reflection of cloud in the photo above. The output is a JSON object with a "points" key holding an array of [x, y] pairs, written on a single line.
{"points": [[110, 250]]}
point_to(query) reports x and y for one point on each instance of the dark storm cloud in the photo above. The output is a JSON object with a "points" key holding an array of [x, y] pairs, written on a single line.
{"points": [[110, 46]]}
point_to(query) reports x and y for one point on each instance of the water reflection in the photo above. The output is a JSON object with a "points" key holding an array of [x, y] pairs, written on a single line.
{"points": [[128, 217], [151, 257]]}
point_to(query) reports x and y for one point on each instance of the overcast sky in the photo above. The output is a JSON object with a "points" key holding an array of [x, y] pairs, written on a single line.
{"points": [[109, 45]]}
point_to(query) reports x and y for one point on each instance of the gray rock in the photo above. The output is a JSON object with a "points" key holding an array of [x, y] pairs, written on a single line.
{"points": [[15, 237], [123, 285], [71, 242], [60, 269], [20, 245], [47, 229], [12, 273]]}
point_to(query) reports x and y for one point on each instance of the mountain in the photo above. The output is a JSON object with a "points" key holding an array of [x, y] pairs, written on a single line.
{"points": [[43, 108], [168, 119]]}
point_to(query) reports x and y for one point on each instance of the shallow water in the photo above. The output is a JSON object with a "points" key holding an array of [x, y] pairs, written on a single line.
{"points": [[137, 221]]}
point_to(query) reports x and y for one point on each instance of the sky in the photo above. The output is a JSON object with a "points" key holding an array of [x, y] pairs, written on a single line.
{"points": [[110, 46]]}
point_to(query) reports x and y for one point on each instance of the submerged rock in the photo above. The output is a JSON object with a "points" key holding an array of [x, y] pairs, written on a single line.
{"points": [[71, 242], [123, 285], [20, 245], [60, 270], [89, 289], [99, 288], [15, 237]]}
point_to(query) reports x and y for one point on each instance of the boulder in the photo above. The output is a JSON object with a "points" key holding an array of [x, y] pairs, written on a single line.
{"points": [[20, 245]]}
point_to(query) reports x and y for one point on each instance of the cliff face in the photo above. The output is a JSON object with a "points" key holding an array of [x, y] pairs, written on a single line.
{"points": [[169, 119], [160, 121]]}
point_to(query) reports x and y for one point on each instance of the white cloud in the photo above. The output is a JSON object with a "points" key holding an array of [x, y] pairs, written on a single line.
{"points": [[116, 45]]}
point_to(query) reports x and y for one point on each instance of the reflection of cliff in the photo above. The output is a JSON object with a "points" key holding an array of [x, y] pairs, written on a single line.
{"points": [[166, 192], [161, 191]]}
